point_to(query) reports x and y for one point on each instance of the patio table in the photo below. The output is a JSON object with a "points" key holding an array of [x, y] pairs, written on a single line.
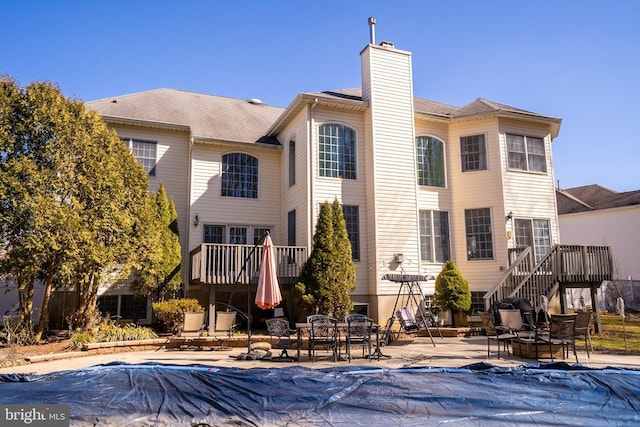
{"points": [[342, 326]]}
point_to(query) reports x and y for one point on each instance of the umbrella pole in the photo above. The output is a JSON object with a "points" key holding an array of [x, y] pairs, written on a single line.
{"points": [[244, 267], [249, 316]]}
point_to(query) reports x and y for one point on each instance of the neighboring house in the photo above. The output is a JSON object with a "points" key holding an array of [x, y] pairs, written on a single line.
{"points": [[420, 182], [594, 215]]}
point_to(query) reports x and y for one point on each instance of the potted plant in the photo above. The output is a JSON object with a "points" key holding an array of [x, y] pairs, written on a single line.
{"points": [[452, 293]]}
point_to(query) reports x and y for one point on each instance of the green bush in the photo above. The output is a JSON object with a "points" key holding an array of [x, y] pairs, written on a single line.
{"points": [[109, 331], [128, 332], [171, 312], [78, 340]]}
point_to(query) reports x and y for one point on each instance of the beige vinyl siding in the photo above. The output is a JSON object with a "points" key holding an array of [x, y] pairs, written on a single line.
{"points": [[529, 194], [212, 208], [390, 159], [436, 198], [297, 196], [477, 190], [172, 168], [347, 191]]}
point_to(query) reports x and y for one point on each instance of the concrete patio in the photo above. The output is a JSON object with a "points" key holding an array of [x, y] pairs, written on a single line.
{"points": [[406, 352]]}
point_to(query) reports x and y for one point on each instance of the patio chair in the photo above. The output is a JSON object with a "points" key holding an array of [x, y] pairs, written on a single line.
{"points": [[582, 329], [408, 321], [358, 334], [561, 331], [225, 322], [323, 334], [279, 328], [192, 324], [494, 334]]}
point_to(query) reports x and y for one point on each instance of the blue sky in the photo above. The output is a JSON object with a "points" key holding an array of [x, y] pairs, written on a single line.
{"points": [[577, 60]]}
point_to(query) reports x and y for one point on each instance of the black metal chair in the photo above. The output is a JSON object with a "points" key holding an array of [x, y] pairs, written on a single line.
{"points": [[582, 330], [323, 334], [562, 332], [359, 329], [494, 334], [278, 328]]}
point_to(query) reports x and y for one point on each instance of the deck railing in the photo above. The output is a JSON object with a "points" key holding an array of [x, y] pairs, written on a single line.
{"points": [[562, 264], [220, 264]]}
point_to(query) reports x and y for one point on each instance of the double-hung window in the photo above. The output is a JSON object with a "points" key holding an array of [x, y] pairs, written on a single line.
{"points": [[526, 153], [434, 236], [430, 161], [337, 151], [478, 231], [239, 176], [145, 153], [473, 153]]}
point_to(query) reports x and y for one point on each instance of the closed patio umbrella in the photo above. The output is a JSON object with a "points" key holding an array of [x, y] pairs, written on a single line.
{"points": [[268, 294]]}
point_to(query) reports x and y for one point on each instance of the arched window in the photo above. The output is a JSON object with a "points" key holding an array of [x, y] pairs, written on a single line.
{"points": [[430, 161], [337, 151], [239, 175]]}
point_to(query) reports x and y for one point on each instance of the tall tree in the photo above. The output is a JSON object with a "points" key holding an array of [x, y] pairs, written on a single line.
{"points": [[344, 266], [71, 194], [157, 273], [328, 275]]}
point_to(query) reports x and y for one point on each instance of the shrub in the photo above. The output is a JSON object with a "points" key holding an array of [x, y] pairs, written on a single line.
{"points": [[452, 290], [128, 332], [109, 331], [171, 312], [78, 340]]}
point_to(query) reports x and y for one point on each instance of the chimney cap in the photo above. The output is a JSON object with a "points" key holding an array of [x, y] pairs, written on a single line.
{"points": [[385, 43]]}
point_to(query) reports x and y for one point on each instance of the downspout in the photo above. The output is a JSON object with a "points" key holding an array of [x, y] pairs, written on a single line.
{"points": [[186, 275]]}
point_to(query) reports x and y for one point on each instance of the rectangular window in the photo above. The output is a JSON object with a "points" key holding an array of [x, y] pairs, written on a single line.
{"points": [[259, 233], [477, 301], [473, 153], [526, 153], [214, 233], [478, 231], [292, 163], [434, 236], [133, 307], [535, 233], [123, 307], [291, 228], [238, 235], [352, 220], [108, 305], [145, 153]]}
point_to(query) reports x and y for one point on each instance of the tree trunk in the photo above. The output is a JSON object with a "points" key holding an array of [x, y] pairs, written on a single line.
{"points": [[25, 299], [44, 312]]}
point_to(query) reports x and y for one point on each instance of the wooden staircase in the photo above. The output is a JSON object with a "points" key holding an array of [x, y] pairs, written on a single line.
{"points": [[563, 267]]}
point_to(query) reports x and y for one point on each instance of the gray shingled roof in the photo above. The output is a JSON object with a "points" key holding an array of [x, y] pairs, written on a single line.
{"points": [[208, 116], [593, 197], [230, 119], [425, 106]]}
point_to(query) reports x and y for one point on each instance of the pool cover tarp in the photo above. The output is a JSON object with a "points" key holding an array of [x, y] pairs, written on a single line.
{"points": [[171, 395]]}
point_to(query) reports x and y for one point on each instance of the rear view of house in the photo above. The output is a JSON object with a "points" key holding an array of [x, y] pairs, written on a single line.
{"points": [[420, 182]]}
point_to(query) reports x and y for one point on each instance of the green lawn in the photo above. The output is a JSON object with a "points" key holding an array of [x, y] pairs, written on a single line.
{"points": [[612, 335]]}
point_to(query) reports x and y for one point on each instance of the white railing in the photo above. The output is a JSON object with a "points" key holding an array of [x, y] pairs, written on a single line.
{"points": [[220, 264]]}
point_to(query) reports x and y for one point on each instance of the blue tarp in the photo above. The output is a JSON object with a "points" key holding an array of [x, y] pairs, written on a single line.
{"points": [[481, 394]]}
